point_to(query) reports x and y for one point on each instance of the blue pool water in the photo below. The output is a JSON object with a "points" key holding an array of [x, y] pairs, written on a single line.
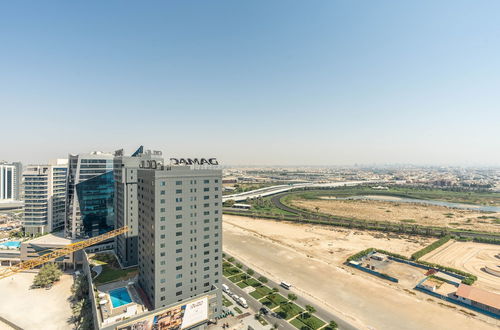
{"points": [[119, 297], [16, 244]]}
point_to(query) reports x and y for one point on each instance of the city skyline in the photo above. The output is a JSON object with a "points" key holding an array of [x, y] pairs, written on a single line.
{"points": [[282, 83]]}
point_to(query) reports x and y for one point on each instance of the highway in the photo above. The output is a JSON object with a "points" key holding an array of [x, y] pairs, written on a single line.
{"points": [[301, 301], [269, 191]]}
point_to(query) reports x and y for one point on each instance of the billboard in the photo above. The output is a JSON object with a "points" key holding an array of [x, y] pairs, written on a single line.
{"points": [[172, 318]]}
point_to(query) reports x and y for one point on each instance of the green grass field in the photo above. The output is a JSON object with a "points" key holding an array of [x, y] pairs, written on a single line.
{"points": [[289, 311], [312, 322], [467, 197]]}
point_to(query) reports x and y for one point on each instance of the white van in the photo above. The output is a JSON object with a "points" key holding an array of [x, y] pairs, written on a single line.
{"points": [[225, 288], [286, 285]]}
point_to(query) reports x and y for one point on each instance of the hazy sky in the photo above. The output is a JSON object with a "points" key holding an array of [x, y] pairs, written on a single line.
{"points": [[253, 82]]}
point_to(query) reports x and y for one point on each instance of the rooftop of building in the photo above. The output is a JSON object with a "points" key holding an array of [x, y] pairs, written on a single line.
{"points": [[56, 238], [479, 295]]}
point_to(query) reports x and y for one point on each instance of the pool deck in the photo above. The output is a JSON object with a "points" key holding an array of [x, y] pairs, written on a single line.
{"points": [[107, 309]]}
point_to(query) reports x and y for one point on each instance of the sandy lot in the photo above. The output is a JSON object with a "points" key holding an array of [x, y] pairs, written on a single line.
{"points": [[397, 212], [471, 257], [310, 258], [35, 309]]}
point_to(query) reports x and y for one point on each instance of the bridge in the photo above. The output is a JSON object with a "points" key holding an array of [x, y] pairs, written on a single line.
{"points": [[273, 190]]}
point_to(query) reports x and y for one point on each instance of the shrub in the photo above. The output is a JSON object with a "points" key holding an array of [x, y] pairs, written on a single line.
{"points": [[49, 274], [431, 247]]}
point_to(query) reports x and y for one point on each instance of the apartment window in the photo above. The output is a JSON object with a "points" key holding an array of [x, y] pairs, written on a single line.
{"points": [[178, 199], [206, 260], [162, 192], [178, 293], [162, 183], [216, 189], [206, 181], [206, 197], [178, 183], [178, 259], [162, 280], [216, 180], [179, 242], [162, 236], [206, 268], [206, 213], [178, 208], [162, 245], [162, 218], [178, 225], [178, 191], [178, 276], [179, 233], [206, 221], [162, 227], [206, 189], [206, 229], [178, 216], [162, 201], [178, 267], [162, 210], [206, 237]]}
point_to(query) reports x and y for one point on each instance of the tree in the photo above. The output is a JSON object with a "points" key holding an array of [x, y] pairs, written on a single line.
{"points": [[310, 309], [332, 325], [229, 203], [317, 209], [239, 265], [276, 290], [262, 279], [250, 272], [231, 259], [49, 274], [292, 296]]}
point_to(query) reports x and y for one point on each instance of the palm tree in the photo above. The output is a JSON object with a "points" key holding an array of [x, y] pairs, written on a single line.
{"points": [[292, 297]]}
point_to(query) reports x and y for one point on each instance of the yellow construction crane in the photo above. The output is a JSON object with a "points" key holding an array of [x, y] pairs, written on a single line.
{"points": [[34, 262]]}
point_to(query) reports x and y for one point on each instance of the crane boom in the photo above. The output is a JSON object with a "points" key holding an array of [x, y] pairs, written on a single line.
{"points": [[70, 248]]}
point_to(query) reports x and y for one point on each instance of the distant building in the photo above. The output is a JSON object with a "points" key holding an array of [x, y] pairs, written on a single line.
{"points": [[10, 181], [126, 207], [89, 195], [44, 197], [180, 234]]}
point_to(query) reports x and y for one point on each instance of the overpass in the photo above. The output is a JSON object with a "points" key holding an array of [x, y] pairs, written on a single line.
{"points": [[273, 190]]}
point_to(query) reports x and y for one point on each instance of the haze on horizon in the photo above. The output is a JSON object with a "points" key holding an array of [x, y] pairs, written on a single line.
{"points": [[259, 82]]}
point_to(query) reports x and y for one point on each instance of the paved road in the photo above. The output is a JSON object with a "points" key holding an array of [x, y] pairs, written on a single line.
{"points": [[256, 305], [301, 301]]}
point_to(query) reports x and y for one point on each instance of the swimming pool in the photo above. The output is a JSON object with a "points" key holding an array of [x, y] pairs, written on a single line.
{"points": [[119, 297], [15, 244]]}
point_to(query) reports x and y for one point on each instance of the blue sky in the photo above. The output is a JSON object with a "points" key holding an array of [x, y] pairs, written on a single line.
{"points": [[253, 82]]}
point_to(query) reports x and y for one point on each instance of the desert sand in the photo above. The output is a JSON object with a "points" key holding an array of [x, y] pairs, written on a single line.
{"points": [[311, 257], [429, 215]]}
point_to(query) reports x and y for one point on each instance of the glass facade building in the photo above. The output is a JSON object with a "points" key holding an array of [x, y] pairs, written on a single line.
{"points": [[96, 198], [90, 195]]}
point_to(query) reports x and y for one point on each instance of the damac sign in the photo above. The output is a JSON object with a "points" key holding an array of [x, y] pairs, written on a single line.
{"points": [[194, 161]]}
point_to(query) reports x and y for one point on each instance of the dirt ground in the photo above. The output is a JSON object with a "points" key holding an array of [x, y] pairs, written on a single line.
{"points": [[35, 309], [471, 257], [403, 212], [311, 259]]}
